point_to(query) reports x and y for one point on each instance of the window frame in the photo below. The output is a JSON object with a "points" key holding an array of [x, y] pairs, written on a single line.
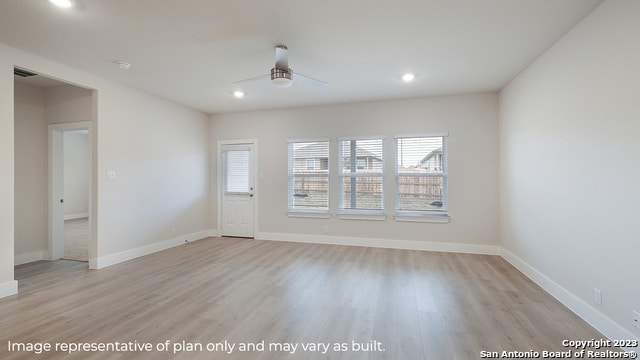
{"points": [[300, 212], [360, 214], [441, 215]]}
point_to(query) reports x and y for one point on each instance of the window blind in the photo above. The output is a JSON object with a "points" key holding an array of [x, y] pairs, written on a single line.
{"points": [[237, 171], [361, 163], [421, 174], [308, 175]]}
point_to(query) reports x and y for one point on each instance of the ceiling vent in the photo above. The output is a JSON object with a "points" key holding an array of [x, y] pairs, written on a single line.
{"points": [[23, 73]]}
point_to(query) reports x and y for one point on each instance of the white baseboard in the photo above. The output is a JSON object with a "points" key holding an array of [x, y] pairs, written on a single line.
{"points": [[599, 321], [108, 260], [76, 216], [382, 243], [24, 258], [8, 288], [214, 233]]}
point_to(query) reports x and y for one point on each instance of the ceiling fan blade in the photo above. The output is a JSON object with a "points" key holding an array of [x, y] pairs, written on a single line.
{"points": [[252, 79], [308, 79], [282, 57]]}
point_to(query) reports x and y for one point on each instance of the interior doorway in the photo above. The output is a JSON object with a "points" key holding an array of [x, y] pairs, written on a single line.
{"points": [[52, 117], [70, 169]]}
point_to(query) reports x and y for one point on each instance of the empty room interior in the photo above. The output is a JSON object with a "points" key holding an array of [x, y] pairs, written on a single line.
{"points": [[319, 180]]}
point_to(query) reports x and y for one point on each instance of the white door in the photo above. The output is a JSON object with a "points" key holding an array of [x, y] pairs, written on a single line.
{"points": [[237, 190], [56, 193]]}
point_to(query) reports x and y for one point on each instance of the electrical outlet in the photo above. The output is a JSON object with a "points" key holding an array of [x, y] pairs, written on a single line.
{"points": [[597, 296], [636, 320]]}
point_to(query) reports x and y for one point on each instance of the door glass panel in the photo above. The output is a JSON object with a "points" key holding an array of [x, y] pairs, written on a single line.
{"points": [[237, 171]]}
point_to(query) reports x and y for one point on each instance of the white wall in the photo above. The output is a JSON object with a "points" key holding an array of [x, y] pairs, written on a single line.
{"points": [[160, 153], [159, 150], [76, 174], [8, 285], [30, 174], [71, 104], [470, 120], [570, 167], [67, 103]]}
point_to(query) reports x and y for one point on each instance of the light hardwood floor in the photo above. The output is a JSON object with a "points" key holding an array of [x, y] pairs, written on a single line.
{"points": [[417, 304]]}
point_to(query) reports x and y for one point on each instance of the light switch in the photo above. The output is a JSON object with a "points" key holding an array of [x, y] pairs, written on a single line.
{"points": [[111, 175]]}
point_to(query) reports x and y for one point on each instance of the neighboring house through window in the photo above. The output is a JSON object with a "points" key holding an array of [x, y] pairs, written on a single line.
{"points": [[421, 175], [309, 176], [421, 178], [361, 175]]}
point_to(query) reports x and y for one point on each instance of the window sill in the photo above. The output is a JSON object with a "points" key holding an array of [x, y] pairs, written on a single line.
{"points": [[426, 218], [363, 216], [309, 214]]}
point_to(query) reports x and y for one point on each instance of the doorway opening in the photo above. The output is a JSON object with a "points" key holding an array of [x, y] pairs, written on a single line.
{"points": [[53, 150], [69, 174]]}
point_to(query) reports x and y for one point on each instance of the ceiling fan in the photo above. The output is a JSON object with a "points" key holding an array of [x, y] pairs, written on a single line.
{"points": [[281, 74]]}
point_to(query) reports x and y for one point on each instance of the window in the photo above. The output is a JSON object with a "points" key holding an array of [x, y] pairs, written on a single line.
{"points": [[309, 176], [361, 175], [311, 164], [421, 175], [237, 171]]}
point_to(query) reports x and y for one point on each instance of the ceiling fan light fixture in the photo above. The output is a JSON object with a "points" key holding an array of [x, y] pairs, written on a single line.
{"points": [[281, 78], [238, 94], [281, 82]]}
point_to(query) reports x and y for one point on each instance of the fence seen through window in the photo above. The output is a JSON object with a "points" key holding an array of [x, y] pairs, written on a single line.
{"points": [[309, 175], [421, 174], [361, 175]]}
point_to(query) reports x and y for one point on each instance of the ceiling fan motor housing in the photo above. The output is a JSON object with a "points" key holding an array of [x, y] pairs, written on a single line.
{"points": [[281, 77]]}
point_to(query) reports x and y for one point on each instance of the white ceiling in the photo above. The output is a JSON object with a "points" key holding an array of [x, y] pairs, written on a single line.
{"points": [[190, 51]]}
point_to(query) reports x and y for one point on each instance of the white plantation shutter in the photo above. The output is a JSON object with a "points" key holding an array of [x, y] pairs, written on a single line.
{"points": [[421, 174], [309, 175]]}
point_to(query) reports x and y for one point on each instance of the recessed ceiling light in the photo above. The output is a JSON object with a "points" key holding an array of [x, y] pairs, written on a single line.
{"points": [[239, 94], [408, 77], [62, 3]]}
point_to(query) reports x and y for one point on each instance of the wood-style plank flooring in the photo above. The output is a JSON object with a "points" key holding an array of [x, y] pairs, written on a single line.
{"points": [[412, 304]]}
